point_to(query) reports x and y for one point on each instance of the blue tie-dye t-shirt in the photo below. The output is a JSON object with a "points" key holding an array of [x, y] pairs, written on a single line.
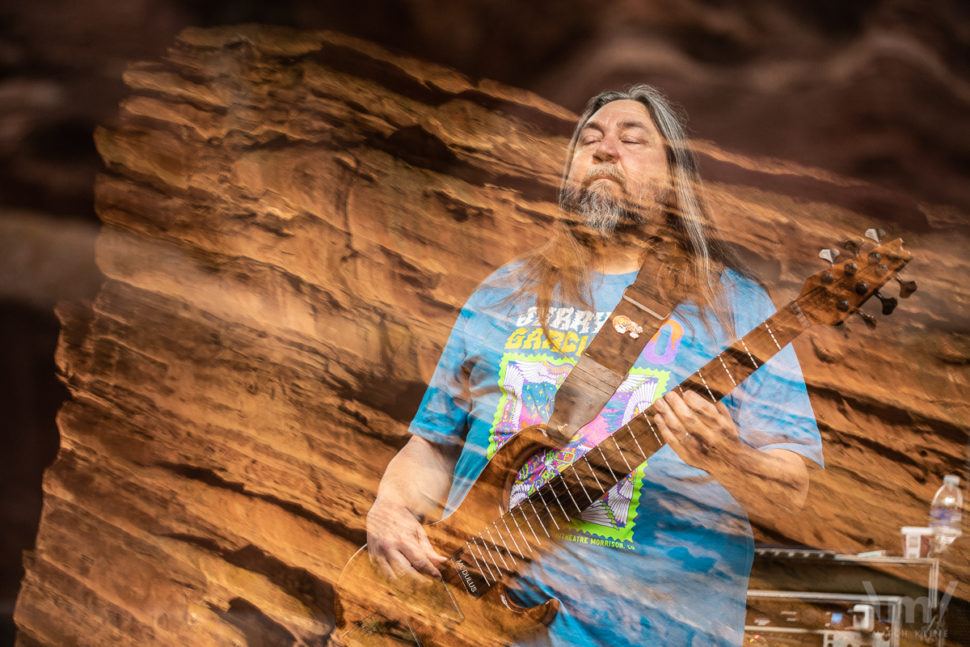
{"points": [[663, 558]]}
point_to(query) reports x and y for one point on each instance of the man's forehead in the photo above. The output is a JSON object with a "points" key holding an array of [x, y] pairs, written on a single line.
{"points": [[623, 112]]}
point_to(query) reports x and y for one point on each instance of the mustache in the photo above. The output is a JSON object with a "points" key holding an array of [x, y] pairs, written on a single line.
{"points": [[604, 170]]}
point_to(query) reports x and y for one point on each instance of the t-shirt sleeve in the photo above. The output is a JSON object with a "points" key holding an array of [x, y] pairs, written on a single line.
{"points": [[772, 409], [443, 414]]}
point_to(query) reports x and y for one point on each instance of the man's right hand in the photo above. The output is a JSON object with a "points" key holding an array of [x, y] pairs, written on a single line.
{"points": [[397, 542]]}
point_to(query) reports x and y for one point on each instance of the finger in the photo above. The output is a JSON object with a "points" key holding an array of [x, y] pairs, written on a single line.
{"points": [[700, 418], [382, 566], [679, 421], [401, 565], [723, 410], [669, 415], [419, 559], [661, 423], [669, 435], [432, 554], [678, 404], [700, 405]]}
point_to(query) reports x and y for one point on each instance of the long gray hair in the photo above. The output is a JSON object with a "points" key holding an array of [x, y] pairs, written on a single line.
{"points": [[562, 265]]}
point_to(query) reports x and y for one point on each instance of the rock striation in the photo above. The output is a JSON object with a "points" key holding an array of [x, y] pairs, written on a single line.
{"points": [[290, 222]]}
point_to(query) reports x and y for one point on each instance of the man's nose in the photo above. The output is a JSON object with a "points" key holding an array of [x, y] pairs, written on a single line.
{"points": [[606, 150]]}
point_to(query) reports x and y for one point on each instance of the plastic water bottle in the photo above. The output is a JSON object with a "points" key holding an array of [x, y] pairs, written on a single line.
{"points": [[946, 513]]}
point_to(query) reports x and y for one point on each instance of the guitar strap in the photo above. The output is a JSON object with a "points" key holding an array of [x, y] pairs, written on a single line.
{"points": [[604, 363]]}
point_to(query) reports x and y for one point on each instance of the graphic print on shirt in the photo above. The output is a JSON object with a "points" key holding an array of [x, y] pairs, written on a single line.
{"points": [[529, 382]]}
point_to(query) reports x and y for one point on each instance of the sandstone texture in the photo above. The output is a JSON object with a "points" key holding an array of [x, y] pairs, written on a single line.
{"points": [[290, 221]]}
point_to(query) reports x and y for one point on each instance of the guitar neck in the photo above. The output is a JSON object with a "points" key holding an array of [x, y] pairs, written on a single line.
{"points": [[506, 543], [618, 455], [828, 297]]}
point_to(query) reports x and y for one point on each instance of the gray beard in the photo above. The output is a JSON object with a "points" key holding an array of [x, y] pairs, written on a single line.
{"points": [[603, 212]]}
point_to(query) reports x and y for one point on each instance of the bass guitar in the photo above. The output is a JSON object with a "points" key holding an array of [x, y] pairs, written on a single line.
{"points": [[487, 541]]}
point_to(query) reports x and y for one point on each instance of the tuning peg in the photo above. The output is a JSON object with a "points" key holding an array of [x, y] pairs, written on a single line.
{"points": [[829, 255], [888, 303], [874, 234], [852, 245], [906, 288], [867, 318]]}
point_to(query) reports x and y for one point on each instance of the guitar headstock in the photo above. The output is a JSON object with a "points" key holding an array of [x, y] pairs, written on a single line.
{"points": [[833, 294]]}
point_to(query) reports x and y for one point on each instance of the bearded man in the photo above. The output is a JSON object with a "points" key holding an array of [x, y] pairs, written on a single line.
{"points": [[663, 558]]}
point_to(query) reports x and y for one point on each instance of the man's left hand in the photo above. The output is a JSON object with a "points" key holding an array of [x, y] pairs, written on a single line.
{"points": [[701, 433]]}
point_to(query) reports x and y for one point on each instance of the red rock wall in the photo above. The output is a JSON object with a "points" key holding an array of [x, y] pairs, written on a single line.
{"points": [[290, 221]]}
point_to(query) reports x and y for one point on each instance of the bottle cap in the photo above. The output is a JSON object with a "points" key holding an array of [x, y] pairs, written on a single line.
{"points": [[952, 479]]}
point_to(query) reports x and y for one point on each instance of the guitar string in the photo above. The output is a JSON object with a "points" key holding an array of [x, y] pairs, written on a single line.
{"points": [[687, 384], [653, 430], [497, 551], [634, 437], [508, 551], [622, 454], [491, 557], [538, 518], [512, 536], [485, 561], [704, 382], [491, 551], [573, 468], [605, 460], [756, 367], [733, 382], [770, 332], [519, 528], [494, 548], [548, 511], [569, 492], [589, 466]]}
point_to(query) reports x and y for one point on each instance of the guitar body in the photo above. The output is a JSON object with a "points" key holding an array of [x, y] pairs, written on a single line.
{"points": [[373, 611]]}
